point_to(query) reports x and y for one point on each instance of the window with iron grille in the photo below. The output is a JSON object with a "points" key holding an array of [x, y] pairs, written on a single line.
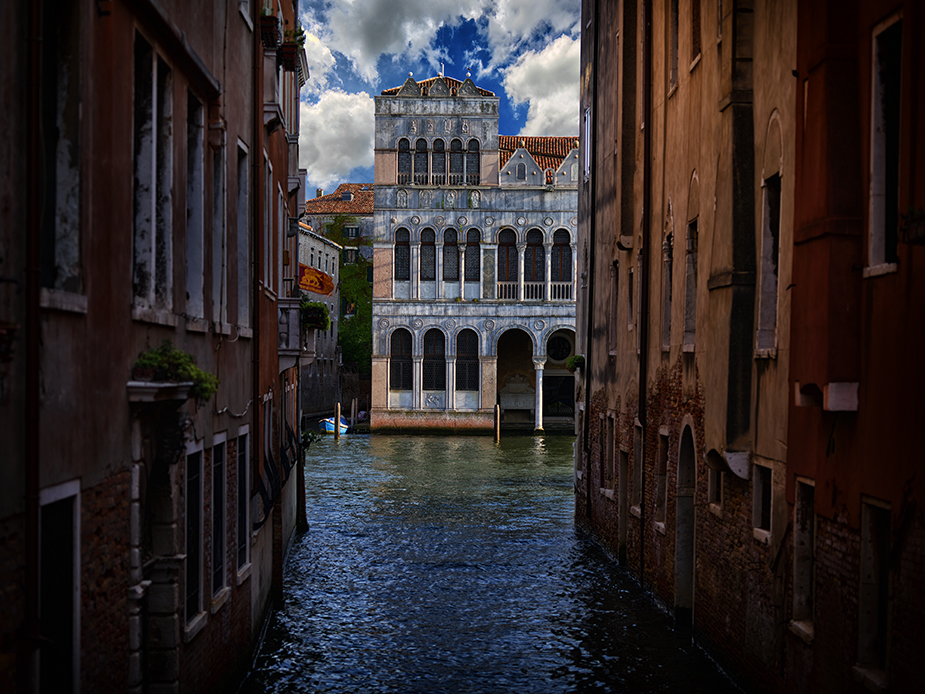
{"points": [[438, 163], [473, 164], [561, 257], [420, 162], [404, 162], [428, 256], [507, 256], [534, 257], [402, 255], [456, 163], [400, 360], [450, 256], [473, 256], [434, 360], [467, 360]]}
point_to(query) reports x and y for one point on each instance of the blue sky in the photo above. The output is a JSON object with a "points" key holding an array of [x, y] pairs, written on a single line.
{"points": [[525, 51]]}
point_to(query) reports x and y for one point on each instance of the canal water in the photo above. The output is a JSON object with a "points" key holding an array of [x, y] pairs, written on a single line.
{"points": [[443, 564]]}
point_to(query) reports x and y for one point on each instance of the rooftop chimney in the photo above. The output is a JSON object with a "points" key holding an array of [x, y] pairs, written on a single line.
{"points": [[319, 192]]}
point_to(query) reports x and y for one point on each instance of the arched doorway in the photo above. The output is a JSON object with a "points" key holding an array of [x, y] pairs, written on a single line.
{"points": [[684, 530], [516, 377]]}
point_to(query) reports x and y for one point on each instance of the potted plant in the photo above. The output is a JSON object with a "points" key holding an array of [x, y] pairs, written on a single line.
{"points": [[314, 315], [269, 30], [288, 53], [168, 364], [575, 362]]}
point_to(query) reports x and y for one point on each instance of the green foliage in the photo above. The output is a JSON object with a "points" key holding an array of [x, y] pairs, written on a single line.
{"points": [[314, 314], [575, 362], [296, 36], [175, 365]]}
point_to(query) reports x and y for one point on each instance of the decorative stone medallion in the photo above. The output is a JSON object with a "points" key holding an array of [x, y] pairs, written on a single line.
{"points": [[548, 221], [539, 325], [521, 221], [415, 220], [573, 221], [462, 220], [417, 324], [383, 323], [439, 221], [489, 324], [450, 324], [489, 221]]}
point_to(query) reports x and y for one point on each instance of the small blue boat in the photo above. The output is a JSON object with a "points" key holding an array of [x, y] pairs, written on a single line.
{"points": [[327, 425]]}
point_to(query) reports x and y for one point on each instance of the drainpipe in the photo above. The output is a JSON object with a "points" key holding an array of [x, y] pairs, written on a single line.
{"points": [[31, 625], [592, 227], [644, 269]]}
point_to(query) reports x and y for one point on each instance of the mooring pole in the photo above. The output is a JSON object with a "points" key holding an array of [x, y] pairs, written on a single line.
{"points": [[498, 423], [337, 422]]}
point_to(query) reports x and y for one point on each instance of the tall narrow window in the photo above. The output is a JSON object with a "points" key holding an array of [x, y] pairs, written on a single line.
{"points": [[219, 285], [473, 256], [690, 286], [609, 464], [267, 218], [637, 466], [673, 44], [434, 360], [402, 255], [450, 256], [761, 499], [467, 360], [60, 129], [695, 29], [715, 488], [244, 239], [195, 261], [400, 362], [804, 552], [473, 164], [420, 162], [586, 144], [404, 162], [534, 265], [428, 256], [193, 567], [886, 76], [507, 256], [243, 477], [874, 594], [561, 261], [614, 305], [456, 163], [521, 172], [667, 269], [630, 293], [770, 251], [218, 516], [438, 163], [661, 479]]}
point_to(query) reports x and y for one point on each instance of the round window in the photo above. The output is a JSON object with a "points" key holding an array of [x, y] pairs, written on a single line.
{"points": [[559, 348]]}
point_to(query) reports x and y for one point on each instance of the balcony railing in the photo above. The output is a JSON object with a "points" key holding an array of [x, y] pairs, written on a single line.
{"points": [[560, 291], [507, 290], [533, 291]]}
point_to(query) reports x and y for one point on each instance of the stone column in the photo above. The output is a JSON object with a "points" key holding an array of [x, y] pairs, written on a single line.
{"points": [[547, 249], [521, 248], [488, 393], [574, 272], [417, 382], [438, 273], [450, 383], [462, 271], [416, 269], [538, 364]]}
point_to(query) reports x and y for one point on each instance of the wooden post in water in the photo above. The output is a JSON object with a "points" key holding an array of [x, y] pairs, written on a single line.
{"points": [[497, 423], [337, 422], [353, 412]]}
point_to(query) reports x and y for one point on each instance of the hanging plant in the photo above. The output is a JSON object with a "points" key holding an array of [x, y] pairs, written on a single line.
{"points": [[575, 362], [169, 364], [314, 315]]}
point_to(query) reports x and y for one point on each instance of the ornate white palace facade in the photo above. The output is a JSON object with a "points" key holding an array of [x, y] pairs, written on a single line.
{"points": [[474, 264]]}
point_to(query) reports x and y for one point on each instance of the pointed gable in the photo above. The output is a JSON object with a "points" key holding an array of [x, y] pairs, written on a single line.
{"points": [[468, 88], [409, 88], [439, 88]]}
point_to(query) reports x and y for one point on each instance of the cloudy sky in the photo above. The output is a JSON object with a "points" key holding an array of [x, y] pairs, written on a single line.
{"points": [[525, 51]]}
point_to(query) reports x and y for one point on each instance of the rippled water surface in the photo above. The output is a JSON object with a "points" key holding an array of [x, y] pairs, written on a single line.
{"points": [[439, 564]]}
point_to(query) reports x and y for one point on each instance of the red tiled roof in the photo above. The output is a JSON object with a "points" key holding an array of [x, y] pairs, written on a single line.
{"points": [[333, 203], [549, 152], [450, 82]]}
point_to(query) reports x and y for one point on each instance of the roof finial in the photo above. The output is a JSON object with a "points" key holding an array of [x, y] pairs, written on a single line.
{"points": [[410, 74], [441, 69]]}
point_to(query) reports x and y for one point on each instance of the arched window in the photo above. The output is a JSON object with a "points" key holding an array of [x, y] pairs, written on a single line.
{"points": [[473, 164], [400, 360], [521, 172], [450, 256], [438, 163], [420, 162], [561, 269], [456, 163], [473, 256], [467, 360], [428, 256], [507, 256], [434, 360], [404, 162], [534, 257], [402, 255]]}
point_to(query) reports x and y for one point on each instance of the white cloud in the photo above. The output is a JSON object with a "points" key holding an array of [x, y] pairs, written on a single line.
{"points": [[321, 63], [547, 80], [336, 136], [512, 24]]}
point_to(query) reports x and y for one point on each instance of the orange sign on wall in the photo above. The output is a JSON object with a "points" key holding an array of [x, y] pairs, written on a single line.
{"points": [[314, 280]]}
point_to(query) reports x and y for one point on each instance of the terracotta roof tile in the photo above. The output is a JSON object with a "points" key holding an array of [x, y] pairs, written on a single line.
{"points": [[333, 203], [549, 152], [450, 82]]}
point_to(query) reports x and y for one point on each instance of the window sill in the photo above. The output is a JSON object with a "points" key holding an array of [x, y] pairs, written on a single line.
{"points": [[672, 91], [247, 20], [244, 573], [660, 528], [197, 325], [636, 511], [716, 510], [688, 348], [695, 62], [151, 315], [195, 625], [766, 353], [219, 599], [246, 333], [607, 492], [63, 301], [874, 679], [878, 270], [804, 629], [221, 328], [763, 536]]}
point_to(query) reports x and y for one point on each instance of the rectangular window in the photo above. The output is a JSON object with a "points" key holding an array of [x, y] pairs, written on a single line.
{"points": [[874, 594], [59, 588], [244, 239], [152, 242], [690, 287], [195, 261], [804, 551], [193, 578], [695, 29], [267, 218], [770, 253], [637, 466], [219, 285], [610, 477], [630, 312], [719, 19], [587, 142], [282, 218], [668, 266], [351, 232], [614, 304], [673, 45], [715, 489], [243, 515], [661, 479], [761, 499], [886, 76], [218, 516]]}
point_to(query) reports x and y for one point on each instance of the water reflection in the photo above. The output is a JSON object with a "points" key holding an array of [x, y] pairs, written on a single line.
{"points": [[452, 565]]}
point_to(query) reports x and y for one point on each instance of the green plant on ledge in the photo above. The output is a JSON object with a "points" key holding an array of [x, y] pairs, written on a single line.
{"points": [[167, 363], [296, 36], [314, 315], [575, 362]]}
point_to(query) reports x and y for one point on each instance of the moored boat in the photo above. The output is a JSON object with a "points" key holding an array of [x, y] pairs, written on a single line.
{"points": [[327, 425]]}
